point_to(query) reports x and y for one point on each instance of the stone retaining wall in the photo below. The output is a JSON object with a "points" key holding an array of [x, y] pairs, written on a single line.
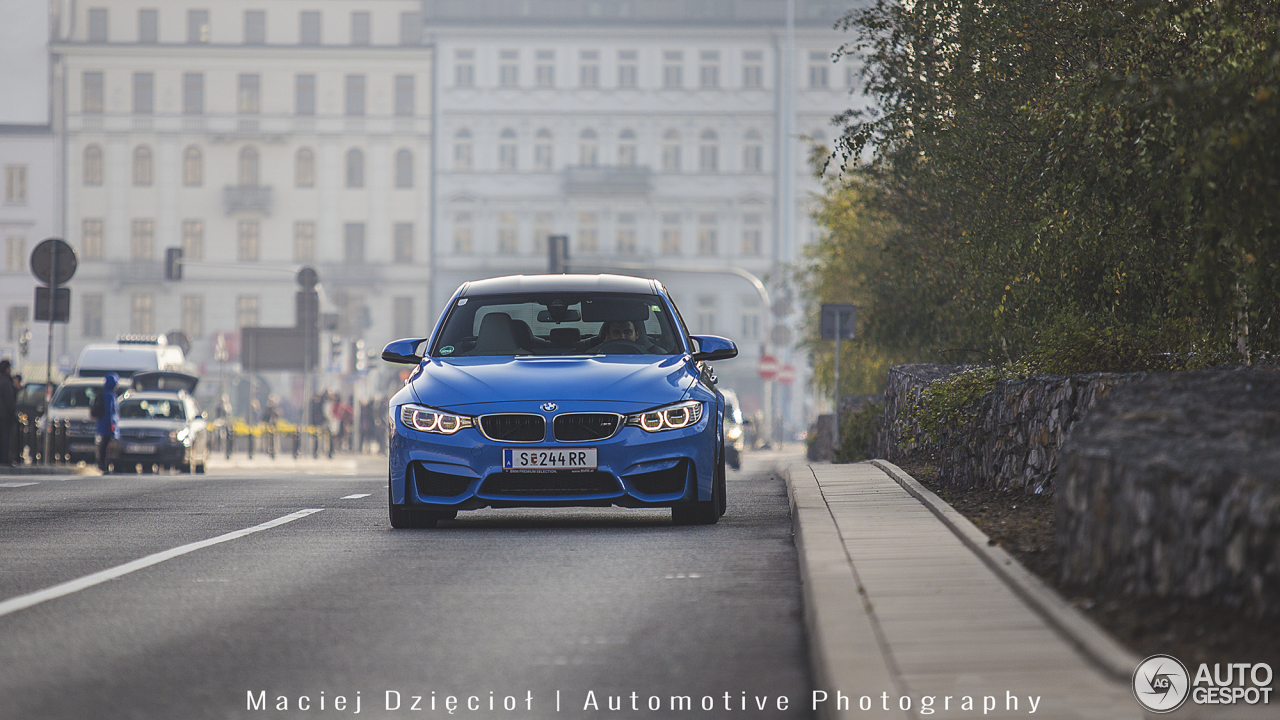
{"points": [[1013, 442], [1171, 488]]}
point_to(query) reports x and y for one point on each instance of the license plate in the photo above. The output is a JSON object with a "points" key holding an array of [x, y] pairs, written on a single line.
{"points": [[549, 459], [83, 447], [134, 449]]}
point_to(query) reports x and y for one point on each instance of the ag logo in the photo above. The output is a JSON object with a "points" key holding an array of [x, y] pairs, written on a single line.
{"points": [[1160, 683]]}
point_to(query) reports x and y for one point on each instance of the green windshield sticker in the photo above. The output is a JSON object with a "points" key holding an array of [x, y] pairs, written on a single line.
{"points": [[447, 349]]}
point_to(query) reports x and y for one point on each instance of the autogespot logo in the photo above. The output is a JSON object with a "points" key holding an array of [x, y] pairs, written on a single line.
{"points": [[1160, 683]]}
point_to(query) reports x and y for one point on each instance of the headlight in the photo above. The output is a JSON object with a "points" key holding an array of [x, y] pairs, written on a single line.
{"points": [[430, 420], [735, 432], [671, 417]]}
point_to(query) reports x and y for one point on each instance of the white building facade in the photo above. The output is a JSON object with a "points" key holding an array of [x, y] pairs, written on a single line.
{"points": [[28, 215], [649, 133], [259, 137]]}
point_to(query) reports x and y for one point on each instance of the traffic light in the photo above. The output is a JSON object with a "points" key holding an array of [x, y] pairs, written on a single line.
{"points": [[173, 263]]}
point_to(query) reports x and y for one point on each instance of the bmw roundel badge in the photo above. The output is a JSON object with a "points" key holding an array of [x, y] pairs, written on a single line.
{"points": [[549, 407]]}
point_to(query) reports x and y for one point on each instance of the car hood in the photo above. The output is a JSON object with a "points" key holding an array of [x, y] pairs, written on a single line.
{"points": [[639, 380]]}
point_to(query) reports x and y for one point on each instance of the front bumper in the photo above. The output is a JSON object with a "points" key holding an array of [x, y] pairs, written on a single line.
{"points": [[634, 468]]}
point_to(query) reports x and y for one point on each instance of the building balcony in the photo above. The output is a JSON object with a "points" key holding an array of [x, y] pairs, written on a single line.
{"points": [[607, 180], [247, 198]]}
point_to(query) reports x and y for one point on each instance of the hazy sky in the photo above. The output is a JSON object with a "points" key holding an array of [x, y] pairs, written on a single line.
{"points": [[24, 62]]}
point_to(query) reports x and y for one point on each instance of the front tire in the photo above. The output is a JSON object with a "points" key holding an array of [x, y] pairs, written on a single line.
{"points": [[703, 512], [409, 517]]}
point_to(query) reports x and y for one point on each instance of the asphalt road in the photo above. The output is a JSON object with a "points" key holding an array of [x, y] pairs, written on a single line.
{"points": [[518, 607]]}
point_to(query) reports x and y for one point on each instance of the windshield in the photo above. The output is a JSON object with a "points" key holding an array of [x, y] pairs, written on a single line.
{"points": [[152, 410], [79, 396], [558, 324]]}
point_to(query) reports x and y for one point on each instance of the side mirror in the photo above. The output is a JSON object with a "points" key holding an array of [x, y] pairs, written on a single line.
{"points": [[713, 347], [403, 351]]}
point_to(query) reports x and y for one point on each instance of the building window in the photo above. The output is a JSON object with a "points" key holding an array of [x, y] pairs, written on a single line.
{"points": [[304, 95], [309, 27], [706, 314], [142, 315], [93, 165], [192, 239], [304, 241], [404, 96], [93, 316], [542, 229], [91, 238], [672, 69], [97, 25], [360, 27], [93, 93], [143, 93], [588, 233], [509, 68], [247, 240], [248, 166], [198, 26], [464, 68], [402, 237], [626, 234], [671, 151], [142, 166], [589, 68], [750, 318], [410, 28], [819, 63], [249, 95], [543, 150], [255, 27], [627, 148], [148, 26], [628, 69], [193, 93], [709, 69], [708, 151], [753, 69], [192, 167], [507, 234], [507, 150], [404, 168], [752, 152], [15, 254], [671, 234], [142, 240], [545, 70], [304, 168], [751, 235], [588, 148], [353, 243], [15, 184], [463, 233], [247, 311], [402, 316], [355, 96], [193, 315], [706, 234], [462, 150], [355, 168]]}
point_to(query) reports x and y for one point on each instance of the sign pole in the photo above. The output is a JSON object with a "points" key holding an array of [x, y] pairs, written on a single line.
{"points": [[835, 428], [48, 360]]}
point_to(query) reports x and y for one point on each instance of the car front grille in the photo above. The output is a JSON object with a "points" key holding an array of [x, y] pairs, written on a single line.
{"points": [[437, 484], [584, 427], [661, 482], [592, 482], [514, 427]]}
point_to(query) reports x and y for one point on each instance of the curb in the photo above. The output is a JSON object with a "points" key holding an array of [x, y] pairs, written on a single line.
{"points": [[1074, 626], [21, 470], [839, 623]]}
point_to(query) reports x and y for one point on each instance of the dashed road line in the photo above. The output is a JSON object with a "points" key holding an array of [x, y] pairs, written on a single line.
{"points": [[22, 602], [17, 484], [356, 496]]}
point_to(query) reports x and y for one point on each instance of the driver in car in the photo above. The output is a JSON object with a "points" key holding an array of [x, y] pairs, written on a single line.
{"points": [[618, 330]]}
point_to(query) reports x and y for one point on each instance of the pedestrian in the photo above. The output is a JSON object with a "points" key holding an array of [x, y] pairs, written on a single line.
{"points": [[108, 417], [8, 413]]}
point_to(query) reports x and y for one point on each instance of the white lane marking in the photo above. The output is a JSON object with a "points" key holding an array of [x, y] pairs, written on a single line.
{"points": [[356, 496], [22, 602], [17, 484]]}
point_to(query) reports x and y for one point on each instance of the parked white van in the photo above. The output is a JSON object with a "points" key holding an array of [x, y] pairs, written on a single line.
{"points": [[130, 354]]}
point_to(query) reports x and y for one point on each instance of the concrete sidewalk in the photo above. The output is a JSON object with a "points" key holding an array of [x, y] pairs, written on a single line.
{"points": [[902, 610]]}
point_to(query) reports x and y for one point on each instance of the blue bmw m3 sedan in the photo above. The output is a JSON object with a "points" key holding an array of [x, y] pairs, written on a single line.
{"points": [[558, 391]]}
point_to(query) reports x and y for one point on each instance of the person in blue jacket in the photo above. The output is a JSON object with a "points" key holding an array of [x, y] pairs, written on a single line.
{"points": [[109, 418]]}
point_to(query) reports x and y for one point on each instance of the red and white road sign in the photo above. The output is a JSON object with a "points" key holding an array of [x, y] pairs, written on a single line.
{"points": [[786, 374], [767, 367]]}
